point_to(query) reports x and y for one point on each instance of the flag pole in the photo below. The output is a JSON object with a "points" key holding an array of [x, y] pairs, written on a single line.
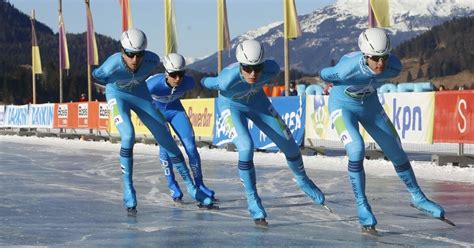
{"points": [[89, 83], [32, 64], [287, 66], [60, 58], [291, 30], [223, 39], [89, 78]]}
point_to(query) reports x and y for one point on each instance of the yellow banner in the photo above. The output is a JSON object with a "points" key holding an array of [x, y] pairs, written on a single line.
{"points": [[171, 43], [381, 12], [36, 60], [201, 115], [223, 37], [292, 27]]}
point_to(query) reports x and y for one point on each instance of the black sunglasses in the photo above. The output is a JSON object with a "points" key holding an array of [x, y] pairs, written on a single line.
{"points": [[249, 68], [377, 58], [175, 74], [133, 54]]}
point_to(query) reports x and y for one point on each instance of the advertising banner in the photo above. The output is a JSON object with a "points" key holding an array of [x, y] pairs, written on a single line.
{"points": [[201, 115], [83, 115], [41, 115], [2, 114], [103, 112], [412, 115], [318, 122], [454, 117], [60, 115], [291, 110], [16, 116]]}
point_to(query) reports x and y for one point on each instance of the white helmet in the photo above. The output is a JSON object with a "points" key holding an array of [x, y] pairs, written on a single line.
{"points": [[133, 40], [174, 62], [374, 41], [249, 52]]}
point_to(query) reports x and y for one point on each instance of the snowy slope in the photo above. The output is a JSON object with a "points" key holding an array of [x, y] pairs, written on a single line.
{"points": [[426, 170], [330, 32]]}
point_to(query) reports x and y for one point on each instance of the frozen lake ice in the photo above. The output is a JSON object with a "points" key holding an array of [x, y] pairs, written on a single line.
{"points": [[68, 193]]}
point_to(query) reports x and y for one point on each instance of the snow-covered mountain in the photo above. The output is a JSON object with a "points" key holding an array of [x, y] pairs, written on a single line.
{"points": [[330, 32]]}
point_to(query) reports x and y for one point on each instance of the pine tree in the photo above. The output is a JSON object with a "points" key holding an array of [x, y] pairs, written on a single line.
{"points": [[420, 73], [409, 77]]}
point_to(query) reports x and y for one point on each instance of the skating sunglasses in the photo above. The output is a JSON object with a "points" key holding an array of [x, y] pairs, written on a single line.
{"points": [[133, 54], [175, 74], [249, 68], [377, 58]]}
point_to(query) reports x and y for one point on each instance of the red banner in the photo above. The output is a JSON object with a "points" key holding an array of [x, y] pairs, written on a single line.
{"points": [[454, 117], [91, 115]]}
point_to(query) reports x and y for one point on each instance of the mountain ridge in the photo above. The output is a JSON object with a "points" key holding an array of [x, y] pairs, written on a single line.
{"points": [[332, 31]]}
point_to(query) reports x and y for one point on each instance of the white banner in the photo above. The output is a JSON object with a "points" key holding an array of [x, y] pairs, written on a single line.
{"points": [[16, 116], [318, 123], [41, 115], [412, 115], [2, 114]]}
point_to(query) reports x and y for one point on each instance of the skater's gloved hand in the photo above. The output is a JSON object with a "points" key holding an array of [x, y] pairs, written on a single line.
{"points": [[202, 81]]}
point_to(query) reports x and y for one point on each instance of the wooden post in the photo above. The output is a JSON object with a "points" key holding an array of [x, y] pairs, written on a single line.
{"points": [[287, 67], [219, 62], [60, 60], [89, 83]]}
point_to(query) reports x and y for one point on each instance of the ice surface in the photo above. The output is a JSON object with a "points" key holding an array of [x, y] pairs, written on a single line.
{"points": [[57, 192]]}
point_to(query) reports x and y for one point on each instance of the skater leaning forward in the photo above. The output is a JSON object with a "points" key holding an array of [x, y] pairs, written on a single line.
{"points": [[354, 100], [241, 98], [123, 74], [166, 90]]}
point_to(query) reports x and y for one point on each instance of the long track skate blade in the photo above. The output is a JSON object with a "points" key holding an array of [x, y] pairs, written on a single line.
{"points": [[447, 221], [328, 208], [208, 207], [178, 202], [441, 219], [261, 223], [370, 230], [132, 212]]}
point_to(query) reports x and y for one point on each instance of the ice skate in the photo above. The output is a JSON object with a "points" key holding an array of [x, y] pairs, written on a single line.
{"points": [[254, 203], [311, 190], [261, 222], [132, 212], [366, 217], [175, 192]]}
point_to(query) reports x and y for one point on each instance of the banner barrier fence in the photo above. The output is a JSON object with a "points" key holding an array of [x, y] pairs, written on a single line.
{"points": [[418, 117]]}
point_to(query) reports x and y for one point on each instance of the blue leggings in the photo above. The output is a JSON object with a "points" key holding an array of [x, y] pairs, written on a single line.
{"points": [[138, 99], [265, 117], [371, 115]]}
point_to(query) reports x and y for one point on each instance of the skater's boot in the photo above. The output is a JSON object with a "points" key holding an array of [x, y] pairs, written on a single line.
{"points": [[195, 164], [126, 164], [196, 168], [364, 211], [173, 186], [195, 193], [303, 181], [418, 199], [248, 179]]}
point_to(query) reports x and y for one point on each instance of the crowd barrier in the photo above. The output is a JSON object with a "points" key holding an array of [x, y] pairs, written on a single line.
{"points": [[418, 117]]}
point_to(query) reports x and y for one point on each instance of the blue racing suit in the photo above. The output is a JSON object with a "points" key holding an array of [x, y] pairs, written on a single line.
{"points": [[126, 90], [353, 100], [166, 100], [239, 101]]}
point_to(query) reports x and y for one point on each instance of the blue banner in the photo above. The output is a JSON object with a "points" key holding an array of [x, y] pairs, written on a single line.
{"points": [[41, 115], [16, 116], [291, 109]]}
